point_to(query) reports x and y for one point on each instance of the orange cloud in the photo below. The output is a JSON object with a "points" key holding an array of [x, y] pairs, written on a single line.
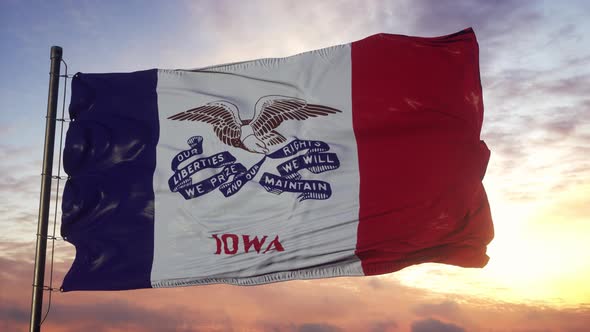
{"points": [[341, 304]]}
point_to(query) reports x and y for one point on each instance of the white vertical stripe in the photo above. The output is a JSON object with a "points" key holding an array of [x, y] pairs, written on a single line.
{"points": [[313, 232]]}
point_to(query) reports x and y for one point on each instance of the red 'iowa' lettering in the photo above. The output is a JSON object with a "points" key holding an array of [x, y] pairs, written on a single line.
{"points": [[229, 244]]}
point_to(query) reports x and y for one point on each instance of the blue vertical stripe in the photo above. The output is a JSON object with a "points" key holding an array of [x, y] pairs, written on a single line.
{"points": [[108, 201]]}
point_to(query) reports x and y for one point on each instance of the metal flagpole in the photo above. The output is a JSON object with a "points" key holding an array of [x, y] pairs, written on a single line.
{"points": [[43, 221]]}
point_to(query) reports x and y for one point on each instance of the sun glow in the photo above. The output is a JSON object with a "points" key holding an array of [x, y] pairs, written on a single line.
{"points": [[540, 254]]}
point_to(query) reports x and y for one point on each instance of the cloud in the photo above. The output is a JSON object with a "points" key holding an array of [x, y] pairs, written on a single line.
{"points": [[12, 314], [120, 314], [434, 325], [19, 191], [274, 29], [342, 304], [446, 309], [13, 271], [383, 326], [126, 314], [318, 327], [435, 15]]}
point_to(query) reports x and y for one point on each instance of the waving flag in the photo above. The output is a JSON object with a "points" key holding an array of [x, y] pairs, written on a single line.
{"points": [[357, 159]]}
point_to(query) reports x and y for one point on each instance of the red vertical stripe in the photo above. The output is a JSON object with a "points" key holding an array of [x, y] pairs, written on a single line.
{"points": [[417, 115]]}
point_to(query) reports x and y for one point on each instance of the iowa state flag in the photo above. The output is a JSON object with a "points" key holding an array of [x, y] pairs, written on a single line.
{"points": [[358, 159]]}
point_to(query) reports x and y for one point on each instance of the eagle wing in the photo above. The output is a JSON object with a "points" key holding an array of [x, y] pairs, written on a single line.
{"points": [[271, 111], [224, 117]]}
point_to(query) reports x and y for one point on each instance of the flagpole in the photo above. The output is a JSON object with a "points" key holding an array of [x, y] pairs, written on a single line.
{"points": [[44, 199]]}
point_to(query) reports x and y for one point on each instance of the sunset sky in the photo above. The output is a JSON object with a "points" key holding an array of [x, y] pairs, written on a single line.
{"points": [[535, 72]]}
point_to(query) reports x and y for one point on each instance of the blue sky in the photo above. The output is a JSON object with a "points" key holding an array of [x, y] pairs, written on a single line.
{"points": [[535, 70]]}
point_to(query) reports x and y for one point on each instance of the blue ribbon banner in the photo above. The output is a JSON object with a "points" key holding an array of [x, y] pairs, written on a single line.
{"points": [[316, 160], [297, 145], [196, 144], [308, 189], [215, 161], [240, 180], [189, 190]]}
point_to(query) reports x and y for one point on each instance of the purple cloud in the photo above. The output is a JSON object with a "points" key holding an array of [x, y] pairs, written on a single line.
{"points": [[318, 327], [447, 309], [434, 325]]}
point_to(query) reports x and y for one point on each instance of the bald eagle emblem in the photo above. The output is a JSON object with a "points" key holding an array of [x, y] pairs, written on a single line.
{"points": [[257, 134]]}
